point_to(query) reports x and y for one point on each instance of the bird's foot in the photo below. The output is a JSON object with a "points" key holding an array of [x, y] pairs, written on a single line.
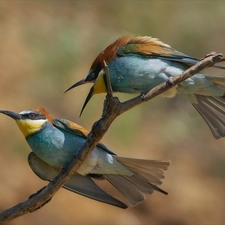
{"points": [[209, 54], [143, 96], [77, 155], [170, 82]]}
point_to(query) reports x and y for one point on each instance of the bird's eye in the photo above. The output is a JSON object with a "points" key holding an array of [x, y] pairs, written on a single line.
{"points": [[32, 116], [92, 75]]}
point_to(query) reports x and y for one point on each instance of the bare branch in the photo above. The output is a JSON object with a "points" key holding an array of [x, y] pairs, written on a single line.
{"points": [[108, 81], [112, 109]]}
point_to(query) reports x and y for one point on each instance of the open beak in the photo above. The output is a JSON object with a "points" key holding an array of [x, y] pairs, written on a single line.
{"points": [[90, 94], [81, 82], [13, 115]]}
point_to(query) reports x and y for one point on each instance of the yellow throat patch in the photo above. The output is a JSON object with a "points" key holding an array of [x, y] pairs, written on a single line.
{"points": [[29, 127], [99, 85]]}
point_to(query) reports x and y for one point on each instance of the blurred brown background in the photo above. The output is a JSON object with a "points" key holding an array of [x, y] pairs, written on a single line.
{"points": [[46, 46]]}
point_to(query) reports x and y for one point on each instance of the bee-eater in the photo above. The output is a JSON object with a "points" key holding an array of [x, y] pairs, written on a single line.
{"points": [[55, 142], [137, 64]]}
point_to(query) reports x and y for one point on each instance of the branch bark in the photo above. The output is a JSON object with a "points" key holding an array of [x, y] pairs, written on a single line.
{"points": [[112, 108]]}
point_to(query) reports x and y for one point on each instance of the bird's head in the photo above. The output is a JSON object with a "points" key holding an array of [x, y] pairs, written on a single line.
{"points": [[96, 73], [30, 121]]}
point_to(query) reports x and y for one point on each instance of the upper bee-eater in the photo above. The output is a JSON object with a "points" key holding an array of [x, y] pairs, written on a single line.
{"points": [[137, 64], [55, 142]]}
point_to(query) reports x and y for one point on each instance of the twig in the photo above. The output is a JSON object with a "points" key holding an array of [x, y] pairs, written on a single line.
{"points": [[112, 109], [108, 81]]}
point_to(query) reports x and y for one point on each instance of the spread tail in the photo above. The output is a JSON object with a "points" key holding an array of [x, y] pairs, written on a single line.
{"points": [[212, 109], [147, 174]]}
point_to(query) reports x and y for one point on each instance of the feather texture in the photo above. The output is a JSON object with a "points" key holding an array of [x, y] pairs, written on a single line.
{"points": [[212, 110], [146, 175], [56, 142], [139, 42], [133, 188], [138, 64], [79, 184]]}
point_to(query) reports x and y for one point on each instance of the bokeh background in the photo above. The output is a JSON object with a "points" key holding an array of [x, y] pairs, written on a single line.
{"points": [[46, 46]]}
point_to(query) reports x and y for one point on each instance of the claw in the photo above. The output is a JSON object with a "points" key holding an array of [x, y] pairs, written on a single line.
{"points": [[170, 82], [143, 97], [209, 54]]}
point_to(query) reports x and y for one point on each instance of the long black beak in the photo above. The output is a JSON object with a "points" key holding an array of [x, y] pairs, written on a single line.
{"points": [[13, 115], [77, 84], [90, 94]]}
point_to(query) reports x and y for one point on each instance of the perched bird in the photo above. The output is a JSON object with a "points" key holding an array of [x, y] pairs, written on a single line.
{"points": [[55, 142], [137, 64]]}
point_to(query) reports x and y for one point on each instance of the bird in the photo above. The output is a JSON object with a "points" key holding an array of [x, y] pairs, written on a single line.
{"points": [[137, 64], [55, 142]]}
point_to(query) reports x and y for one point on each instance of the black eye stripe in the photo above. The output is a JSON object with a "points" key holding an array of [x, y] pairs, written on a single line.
{"points": [[94, 74], [33, 116]]}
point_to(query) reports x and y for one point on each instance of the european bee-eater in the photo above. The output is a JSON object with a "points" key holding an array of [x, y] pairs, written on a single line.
{"points": [[137, 64], [55, 142]]}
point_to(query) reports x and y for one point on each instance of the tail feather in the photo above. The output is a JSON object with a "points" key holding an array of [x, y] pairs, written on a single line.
{"points": [[140, 184], [146, 175], [128, 189], [212, 109], [147, 163], [150, 170], [144, 186]]}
